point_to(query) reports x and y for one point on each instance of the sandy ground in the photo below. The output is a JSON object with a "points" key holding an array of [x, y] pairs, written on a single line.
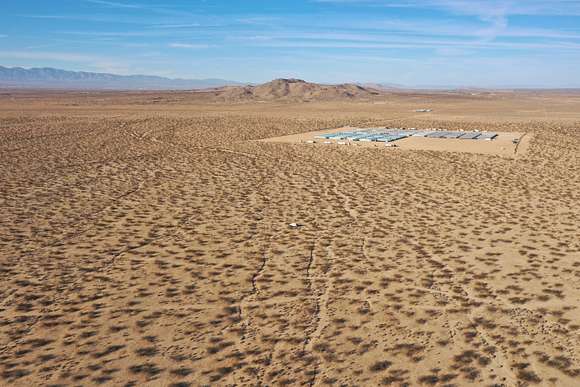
{"points": [[502, 145], [144, 240]]}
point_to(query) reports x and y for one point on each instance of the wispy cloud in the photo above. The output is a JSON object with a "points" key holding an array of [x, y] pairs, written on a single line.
{"points": [[89, 62], [47, 55], [114, 4], [188, 45], [477, 7], [118, 34], [444, 40], [88, 18], [258, 20], [494, 13], [153, 8], [177, 25], [438, 27], [346, 41]]}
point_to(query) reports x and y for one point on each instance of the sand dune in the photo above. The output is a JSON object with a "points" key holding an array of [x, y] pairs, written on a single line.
{"points": [[146, 242]]}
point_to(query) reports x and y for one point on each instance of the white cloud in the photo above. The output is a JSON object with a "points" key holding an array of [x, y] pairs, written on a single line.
{"points": [[188, 45]]}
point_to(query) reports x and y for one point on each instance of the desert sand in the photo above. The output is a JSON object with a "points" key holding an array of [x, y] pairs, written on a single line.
{"points": [[145, 240]]}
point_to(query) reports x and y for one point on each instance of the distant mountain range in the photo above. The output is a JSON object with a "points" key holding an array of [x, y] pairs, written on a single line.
{"points": [[50, 78], [384, 86]]}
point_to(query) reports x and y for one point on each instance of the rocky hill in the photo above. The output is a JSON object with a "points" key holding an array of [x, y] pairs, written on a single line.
{"points": [[295, 90]]}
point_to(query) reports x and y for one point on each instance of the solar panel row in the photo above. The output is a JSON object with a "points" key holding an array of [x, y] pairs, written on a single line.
{"points": [[487, 136], [388, 135], [470, 135]]}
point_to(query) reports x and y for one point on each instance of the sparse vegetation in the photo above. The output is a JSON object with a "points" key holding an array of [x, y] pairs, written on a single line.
{"points": [[152, 247]]}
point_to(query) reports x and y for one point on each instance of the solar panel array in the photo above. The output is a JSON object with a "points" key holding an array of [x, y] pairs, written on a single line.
{"points": [[394, 134]]}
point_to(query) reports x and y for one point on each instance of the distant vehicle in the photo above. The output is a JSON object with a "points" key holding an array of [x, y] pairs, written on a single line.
{"points": [[424, 110], [516, 141]]}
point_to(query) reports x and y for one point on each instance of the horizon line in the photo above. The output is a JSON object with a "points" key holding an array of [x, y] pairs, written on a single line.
{"points": [[387, 84]]}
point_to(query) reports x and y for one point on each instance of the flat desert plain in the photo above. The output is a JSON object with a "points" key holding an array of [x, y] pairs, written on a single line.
{"points": [[145, 241]]}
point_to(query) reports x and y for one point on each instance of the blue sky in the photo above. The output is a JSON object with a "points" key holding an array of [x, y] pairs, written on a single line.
{"points": [[489, 43]]}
